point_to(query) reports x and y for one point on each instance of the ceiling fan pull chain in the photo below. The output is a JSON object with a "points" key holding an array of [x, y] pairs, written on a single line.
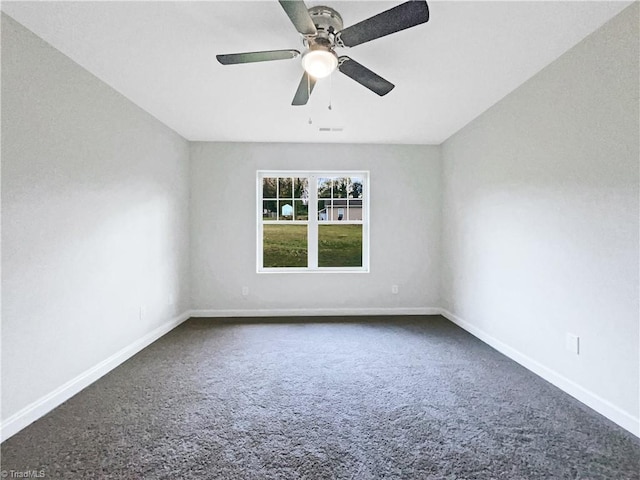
{"points": [[330, 89]]}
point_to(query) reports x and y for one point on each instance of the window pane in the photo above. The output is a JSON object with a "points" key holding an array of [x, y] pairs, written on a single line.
{"points": [[324, 210], [301, 188], [285, 210], [340, 187], [339, 245], [285, 188], [301, 210], [339, 210], [354, 209], [355, 189], [284, 245], [324, 188], [269, 210], [269, 187]]}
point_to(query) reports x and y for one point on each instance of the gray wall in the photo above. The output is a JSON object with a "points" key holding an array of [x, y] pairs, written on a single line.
{"points": [[405, 230], [540, 217], [94, 220]]}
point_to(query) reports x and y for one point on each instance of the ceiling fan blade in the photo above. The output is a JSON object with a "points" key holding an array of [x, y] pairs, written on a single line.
{"points": [[307, 82], [405, 15], [249, 57], [364, 76], [297, 12]]}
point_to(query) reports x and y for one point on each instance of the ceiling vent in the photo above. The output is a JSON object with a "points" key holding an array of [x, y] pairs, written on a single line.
{"points": [[331, 129]]}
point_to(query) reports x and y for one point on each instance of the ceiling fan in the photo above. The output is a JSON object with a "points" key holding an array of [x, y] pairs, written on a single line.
{"points": [[322, 31]]}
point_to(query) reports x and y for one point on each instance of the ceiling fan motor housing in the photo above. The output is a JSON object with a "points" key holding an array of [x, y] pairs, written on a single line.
{"points": [[328, 22]]}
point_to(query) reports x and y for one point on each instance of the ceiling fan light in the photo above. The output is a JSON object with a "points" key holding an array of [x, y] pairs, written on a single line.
{"points": [[319, 63]]}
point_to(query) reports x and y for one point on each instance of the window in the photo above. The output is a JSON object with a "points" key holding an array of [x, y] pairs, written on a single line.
{"points": [[313, 221]]}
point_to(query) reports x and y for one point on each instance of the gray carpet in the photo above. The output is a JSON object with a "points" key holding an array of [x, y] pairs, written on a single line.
{"points": [[381, 397]]}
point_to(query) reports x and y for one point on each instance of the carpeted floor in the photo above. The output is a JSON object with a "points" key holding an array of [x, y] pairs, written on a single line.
{"points": [[368, 398]]}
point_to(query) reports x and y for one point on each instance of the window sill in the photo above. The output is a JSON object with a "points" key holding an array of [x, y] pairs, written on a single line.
{"points": [[314, 270]]}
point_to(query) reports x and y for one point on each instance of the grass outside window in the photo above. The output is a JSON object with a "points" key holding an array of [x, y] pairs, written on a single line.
{"points": [[284, 246]]}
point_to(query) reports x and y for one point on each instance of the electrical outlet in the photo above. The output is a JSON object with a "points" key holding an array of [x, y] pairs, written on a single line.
{"points": [[572, 343], [143, 312], [394, 289], [170, 300], [245, 291]]}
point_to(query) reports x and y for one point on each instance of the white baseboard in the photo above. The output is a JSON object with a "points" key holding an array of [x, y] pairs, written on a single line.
{"points": [[45, 404], [597, 403], [315, 312]]}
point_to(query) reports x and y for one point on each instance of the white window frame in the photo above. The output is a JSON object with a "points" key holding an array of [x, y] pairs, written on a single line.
{"points": [[313, 222]]}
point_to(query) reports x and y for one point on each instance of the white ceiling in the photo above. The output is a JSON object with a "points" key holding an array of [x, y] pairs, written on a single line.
{"points": [[161, 55]]}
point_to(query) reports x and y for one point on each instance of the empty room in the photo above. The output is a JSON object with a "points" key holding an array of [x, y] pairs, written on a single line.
{"points": [[320, 240]]}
